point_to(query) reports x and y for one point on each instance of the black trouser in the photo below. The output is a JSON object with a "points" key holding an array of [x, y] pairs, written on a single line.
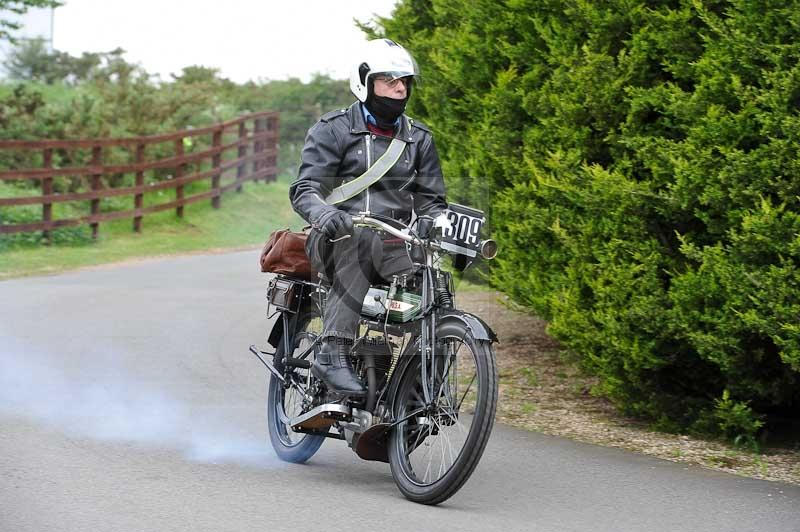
{"points": [[352, 265]]}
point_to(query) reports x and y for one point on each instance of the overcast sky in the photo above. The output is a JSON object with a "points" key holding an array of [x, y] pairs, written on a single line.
{"points": [[245, 39]]}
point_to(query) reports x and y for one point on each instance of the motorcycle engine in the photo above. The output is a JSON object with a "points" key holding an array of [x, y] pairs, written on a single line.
{"points": [[383, 354]]}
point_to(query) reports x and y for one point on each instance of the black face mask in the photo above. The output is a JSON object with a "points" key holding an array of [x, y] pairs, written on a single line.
{"points": [[385, 110]]}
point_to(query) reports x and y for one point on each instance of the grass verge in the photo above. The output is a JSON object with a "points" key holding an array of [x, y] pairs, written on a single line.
{"points": [[244, 220]]}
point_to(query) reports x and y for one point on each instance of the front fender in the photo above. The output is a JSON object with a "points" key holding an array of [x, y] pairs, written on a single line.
{"points": [[480, 329]]}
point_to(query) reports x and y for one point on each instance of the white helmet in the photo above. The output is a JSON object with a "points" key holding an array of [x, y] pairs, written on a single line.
{"points": [[381, 56]]}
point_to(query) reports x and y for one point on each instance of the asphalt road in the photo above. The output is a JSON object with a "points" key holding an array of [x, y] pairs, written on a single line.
{"points": [[129, 402]]}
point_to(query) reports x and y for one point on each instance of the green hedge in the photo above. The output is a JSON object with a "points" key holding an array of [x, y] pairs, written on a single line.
{"points": [[639, 163]]}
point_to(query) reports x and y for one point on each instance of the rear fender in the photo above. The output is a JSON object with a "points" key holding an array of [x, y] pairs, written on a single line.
{"points": [[276, 334]]}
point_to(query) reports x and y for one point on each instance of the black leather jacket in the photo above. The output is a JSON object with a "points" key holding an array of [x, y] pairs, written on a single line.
{"points": [[340, 148]]}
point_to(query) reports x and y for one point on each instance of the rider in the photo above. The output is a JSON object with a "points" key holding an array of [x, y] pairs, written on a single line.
{"points": [[338, 149]]}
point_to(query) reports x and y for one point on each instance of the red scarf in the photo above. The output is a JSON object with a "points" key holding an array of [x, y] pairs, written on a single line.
{"points": [[380, 131]]}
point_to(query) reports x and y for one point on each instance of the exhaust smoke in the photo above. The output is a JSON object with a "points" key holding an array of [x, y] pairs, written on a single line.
{"points": [[105, 403]]}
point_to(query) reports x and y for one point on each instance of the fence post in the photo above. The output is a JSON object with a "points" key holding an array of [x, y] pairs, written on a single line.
{"points": [[242, 153], [258, 127], [178, 174], [273, 159], [138, 199], [216, 160], [47, 189], [97, 160]]}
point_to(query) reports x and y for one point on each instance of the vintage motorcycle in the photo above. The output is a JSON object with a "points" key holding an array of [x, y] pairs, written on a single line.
{"points": [[429, 368]]}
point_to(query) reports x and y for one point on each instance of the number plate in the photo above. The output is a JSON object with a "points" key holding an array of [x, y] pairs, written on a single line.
{"points": [[464, 235]]}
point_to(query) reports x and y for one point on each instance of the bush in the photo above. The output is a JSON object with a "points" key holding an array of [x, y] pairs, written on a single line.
{"points": [[737, 421], [639, 165]]}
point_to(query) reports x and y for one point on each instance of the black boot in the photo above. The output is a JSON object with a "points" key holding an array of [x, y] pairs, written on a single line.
{"points": [[333, 367]]}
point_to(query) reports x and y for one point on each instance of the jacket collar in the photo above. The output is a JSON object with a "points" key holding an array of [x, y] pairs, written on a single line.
{"points": [[359, 126]]}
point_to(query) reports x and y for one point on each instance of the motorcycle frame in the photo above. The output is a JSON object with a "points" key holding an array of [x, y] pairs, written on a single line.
{"points": [[425, 324]]}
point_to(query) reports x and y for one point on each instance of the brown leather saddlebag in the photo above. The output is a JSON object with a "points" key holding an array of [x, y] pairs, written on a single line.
{"points": [[285, 253]]}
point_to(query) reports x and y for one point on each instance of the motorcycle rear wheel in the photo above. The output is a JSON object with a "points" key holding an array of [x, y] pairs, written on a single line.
{"points": [[286, 403], [433, 453]]}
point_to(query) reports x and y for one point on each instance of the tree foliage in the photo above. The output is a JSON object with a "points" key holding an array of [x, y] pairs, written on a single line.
{"points": [[57, 95], [639, 163], [31, 60], [9, 8]]}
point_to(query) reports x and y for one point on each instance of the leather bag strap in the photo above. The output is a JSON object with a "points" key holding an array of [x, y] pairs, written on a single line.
{"points": [[373, 174]]}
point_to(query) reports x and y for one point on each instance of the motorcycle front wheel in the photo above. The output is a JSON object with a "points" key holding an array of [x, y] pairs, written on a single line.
{"points": [[285, 403], [433, 452]]}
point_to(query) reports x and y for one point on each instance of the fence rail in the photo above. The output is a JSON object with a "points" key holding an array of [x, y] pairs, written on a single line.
{"points": [[254, 138]]}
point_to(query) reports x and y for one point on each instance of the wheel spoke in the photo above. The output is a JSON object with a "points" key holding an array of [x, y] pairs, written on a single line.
{"points": [[441, 441], [418, 398], [420, 432], [450, 449], [427, 469], [458, 408]]}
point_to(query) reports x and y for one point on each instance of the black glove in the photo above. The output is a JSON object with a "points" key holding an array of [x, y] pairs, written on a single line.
{"points": [[335, 223]]}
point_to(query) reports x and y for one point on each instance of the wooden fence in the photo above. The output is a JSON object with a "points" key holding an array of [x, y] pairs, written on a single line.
{"points": [[254, 138]]}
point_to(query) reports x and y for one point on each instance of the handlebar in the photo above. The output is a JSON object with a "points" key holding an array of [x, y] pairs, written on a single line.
{"points": [[487, 248], [368, 221]]}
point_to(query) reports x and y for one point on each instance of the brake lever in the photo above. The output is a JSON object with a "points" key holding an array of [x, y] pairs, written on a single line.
{"points": [[334, 240]]}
